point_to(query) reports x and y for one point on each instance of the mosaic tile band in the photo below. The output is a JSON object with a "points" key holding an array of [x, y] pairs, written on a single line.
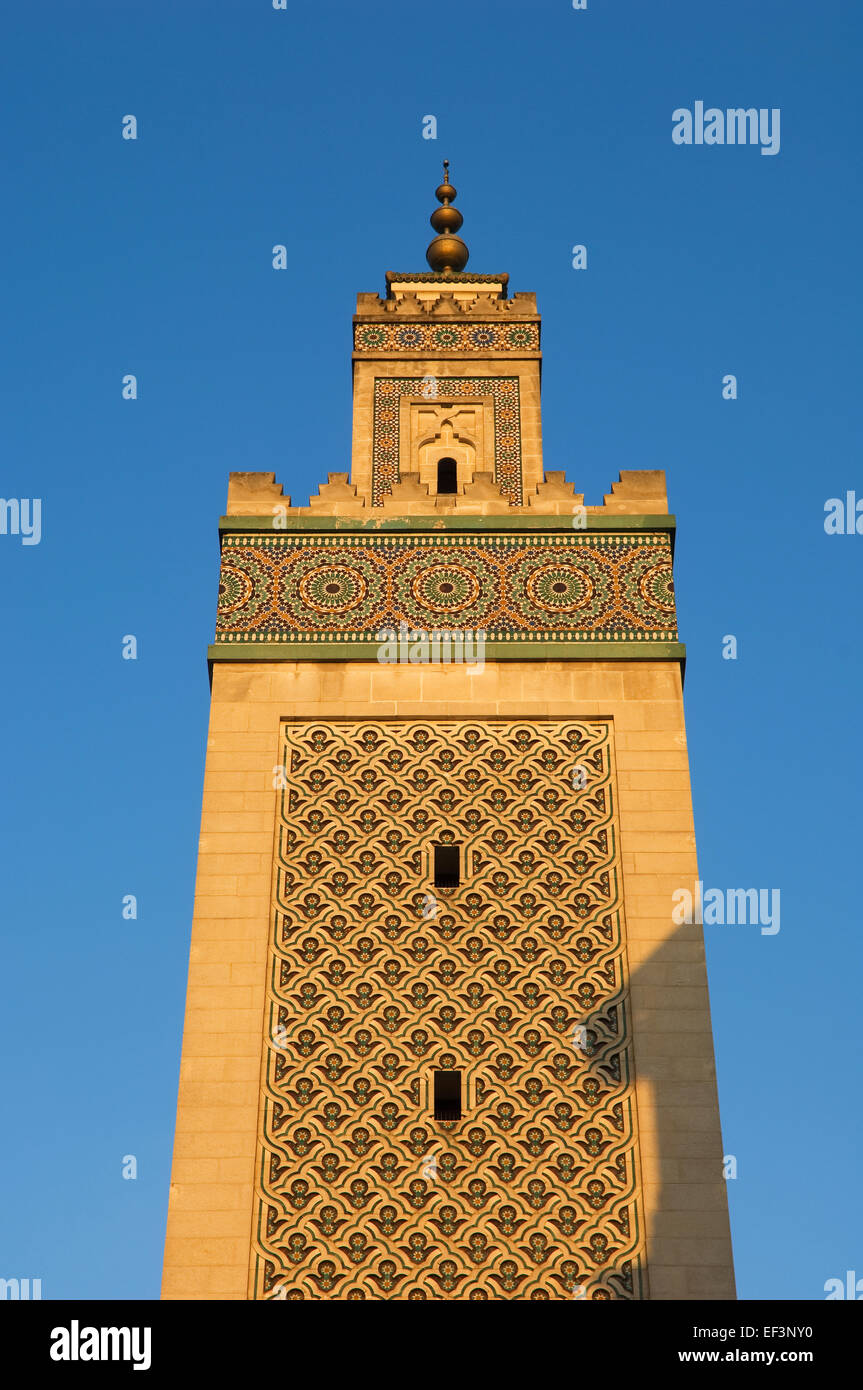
{"points": [[507, 426], [412, 338], [611, 585]]}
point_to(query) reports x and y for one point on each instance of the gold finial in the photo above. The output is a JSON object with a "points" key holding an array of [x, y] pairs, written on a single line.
{"points": [[447, 252]]}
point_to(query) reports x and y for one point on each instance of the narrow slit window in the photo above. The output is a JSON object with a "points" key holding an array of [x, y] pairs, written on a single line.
{"points": [[447, 475], [447, 1095], [447, 867]]}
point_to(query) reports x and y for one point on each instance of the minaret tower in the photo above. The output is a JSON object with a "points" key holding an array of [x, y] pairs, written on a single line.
{"points": [[443, 1038]]}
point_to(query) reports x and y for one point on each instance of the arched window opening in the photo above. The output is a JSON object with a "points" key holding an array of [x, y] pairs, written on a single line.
{"points": [[447, 475]]}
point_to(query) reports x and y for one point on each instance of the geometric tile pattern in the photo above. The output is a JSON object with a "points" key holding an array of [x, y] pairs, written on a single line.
{"points": [[412, 338], [517, 977], [605, 585], [507, 426]]}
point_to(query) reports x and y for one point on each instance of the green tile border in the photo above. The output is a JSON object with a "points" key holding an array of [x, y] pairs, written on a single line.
{"points": [[530, 650], [376, 524]]}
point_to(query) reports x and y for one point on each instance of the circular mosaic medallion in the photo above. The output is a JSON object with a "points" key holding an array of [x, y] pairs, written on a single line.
{"points": [[559, 588], [446, 336], [656, 587], [445, 588], [332, 589], [344, 589], [370, 337], [409, 336], [235, 589], [483, 336], [457, 584], [647, 588], [246, 589]]}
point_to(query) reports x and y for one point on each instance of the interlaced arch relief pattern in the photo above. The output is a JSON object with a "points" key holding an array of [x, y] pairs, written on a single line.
{"points": [[517, 977]]}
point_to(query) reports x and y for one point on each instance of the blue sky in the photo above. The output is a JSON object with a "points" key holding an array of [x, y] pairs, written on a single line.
{"points": [[153, 257]]}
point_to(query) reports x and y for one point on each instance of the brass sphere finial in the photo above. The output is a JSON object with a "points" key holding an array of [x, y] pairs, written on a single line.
{"points": [[447, 253]]}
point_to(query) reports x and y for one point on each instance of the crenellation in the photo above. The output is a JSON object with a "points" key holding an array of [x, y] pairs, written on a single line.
{"points": [[482, 496], [256, 494], [336, 497], [638, 491]]}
